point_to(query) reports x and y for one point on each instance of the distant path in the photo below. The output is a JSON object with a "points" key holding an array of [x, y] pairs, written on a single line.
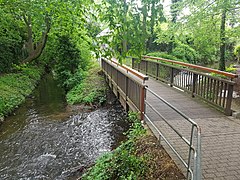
{"points": [[220, 134]]}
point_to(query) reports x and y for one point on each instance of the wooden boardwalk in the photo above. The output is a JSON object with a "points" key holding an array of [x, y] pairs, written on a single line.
{"points": [[220, 133]]}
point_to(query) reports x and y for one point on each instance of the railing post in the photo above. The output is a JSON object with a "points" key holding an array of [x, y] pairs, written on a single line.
{"points": [[194, 84], [142, 102], [228, 110], [146, 67], [133, 61], [157, 71], [138, 65], [126, 94], [171, 77]]}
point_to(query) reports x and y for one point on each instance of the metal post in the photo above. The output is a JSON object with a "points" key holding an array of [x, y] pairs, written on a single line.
{"points": [[197, 168]]}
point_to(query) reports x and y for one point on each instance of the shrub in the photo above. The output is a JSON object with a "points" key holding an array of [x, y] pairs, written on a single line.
{"points": [[185, 52]]}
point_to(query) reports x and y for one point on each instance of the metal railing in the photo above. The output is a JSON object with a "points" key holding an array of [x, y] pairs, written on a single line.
{"points": [[194, 155], [214, 90], [127, 84]]}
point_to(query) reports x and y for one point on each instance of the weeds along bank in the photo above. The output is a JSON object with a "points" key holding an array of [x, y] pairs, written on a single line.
{"points": [[15, 87], [140, 157], [92, 90]]}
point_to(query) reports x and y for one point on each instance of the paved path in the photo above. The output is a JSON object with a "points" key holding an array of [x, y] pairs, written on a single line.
{"points": [[220, 134]]}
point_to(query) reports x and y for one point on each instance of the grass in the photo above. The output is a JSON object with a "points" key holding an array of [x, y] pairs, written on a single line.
{"points": [[91, 91], [14, 87]]}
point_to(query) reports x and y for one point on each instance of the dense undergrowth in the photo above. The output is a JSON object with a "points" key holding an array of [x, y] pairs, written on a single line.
{"points": [[14, 87], [91, 90]]}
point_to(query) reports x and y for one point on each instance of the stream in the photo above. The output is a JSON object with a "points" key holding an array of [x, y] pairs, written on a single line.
{"points": [[46, 139]]}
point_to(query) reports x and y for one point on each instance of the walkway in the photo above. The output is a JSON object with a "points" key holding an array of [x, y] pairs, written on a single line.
{"points": [[220, 134]]}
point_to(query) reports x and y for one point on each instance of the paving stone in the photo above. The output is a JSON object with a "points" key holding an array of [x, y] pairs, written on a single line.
{"points": [[220, 134]]}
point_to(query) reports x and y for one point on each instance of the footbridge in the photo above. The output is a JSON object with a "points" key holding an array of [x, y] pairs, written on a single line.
{"points": [[187, 108]]}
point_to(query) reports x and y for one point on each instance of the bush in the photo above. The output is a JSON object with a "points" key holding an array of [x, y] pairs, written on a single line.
{"points": [[67, 62], [8, 56], [185, 52]]}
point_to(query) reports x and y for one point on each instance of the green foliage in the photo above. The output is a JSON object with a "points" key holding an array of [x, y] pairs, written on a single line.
{"points": [[91, 90], [229, 69], [163, 55], [69, 63], [10, 42], [237, 51], [122, 163], [185, 52], [15, 87]]}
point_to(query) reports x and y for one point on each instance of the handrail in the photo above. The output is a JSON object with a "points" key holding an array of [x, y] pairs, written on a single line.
{"points": [[126, 84], [196, 173], [136, 73], [227, 74], [216, 91]]}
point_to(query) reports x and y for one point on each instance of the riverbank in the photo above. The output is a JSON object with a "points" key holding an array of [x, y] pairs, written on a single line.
{"points": [[15, 87], [92, 91], [140, 157]]}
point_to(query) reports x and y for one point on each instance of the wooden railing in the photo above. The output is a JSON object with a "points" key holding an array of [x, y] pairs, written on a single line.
{"points": [[214, 90], [127, 84]]}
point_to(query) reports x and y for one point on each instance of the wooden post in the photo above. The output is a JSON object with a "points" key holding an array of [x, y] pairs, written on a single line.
{"points": [[146, 67], [171, 77], [194, 84], [228, 110], [126, 94], [142, 102], [138, 68], [133, 63], [157, 71]]}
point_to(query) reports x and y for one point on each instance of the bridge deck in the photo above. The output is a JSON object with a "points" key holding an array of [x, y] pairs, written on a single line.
{"points": [[220, 134]]}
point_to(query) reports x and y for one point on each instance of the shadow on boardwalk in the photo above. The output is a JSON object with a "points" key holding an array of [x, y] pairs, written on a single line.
{"points": [[220, 133]]}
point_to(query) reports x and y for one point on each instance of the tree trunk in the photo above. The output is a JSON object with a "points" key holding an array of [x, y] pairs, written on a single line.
{"points": [[174, 13], [144, 25], [152, 23], [35, 50], [222, 42], [124, 41]]}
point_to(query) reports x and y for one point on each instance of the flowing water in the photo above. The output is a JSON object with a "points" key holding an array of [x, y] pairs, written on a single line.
{"points": [[45, 139]]}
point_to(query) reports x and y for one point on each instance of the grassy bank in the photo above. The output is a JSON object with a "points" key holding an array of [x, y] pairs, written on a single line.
{"points": [[140, 157], [91, 90], [14, 87]]}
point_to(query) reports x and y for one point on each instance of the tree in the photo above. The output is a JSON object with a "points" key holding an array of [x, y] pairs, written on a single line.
{"points": [[221, 13], [39, 17]]}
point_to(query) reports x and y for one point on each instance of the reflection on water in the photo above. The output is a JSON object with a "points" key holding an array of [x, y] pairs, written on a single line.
{"points": [[45, 141]]}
